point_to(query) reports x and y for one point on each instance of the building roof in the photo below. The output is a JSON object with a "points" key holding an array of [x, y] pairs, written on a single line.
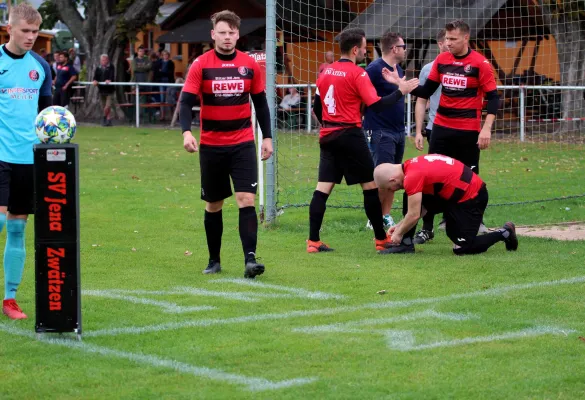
{"points": [[198, 31], [421, 19], [165, 11]]}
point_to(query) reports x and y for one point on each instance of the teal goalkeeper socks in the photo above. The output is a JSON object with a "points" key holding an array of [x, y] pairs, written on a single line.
{"points": [[14, 255]]}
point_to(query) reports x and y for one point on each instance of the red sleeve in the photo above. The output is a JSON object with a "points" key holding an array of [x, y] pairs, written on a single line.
{"points": [[487, 80], [258, 85], [413, 183], [434, 74], [193, 83], [365, 89]]}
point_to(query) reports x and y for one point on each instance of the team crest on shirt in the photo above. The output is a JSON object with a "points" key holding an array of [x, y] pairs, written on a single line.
{"points": [[33, 75], [243, 71], [467, 68]]}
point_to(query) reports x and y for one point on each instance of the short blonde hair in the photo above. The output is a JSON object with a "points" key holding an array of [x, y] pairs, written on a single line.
{"points": [[24, 12]]}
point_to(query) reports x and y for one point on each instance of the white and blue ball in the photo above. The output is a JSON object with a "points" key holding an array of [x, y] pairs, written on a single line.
{"points": [[55, 124]]}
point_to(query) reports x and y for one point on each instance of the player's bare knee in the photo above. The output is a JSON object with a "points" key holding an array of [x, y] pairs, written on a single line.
{"points": [[245, 199], [325, 187], [213, 207]]}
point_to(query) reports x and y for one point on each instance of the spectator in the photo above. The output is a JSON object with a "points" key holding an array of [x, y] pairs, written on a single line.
{"points": [[329, 59], [167, 71], [105, 73], [66, 75], [75, 60], [292, 99], [140, 67]]}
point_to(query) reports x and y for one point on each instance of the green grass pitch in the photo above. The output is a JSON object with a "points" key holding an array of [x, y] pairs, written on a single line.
{"points": [[494, 326]]}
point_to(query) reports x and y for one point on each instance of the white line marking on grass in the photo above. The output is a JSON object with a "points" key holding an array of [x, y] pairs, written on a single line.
{"points": [[188, 291], [296, 291], [349, 326], [240, 296], [164, 305], [332, 311], [246, 296], [406, 344], [251, 383]]}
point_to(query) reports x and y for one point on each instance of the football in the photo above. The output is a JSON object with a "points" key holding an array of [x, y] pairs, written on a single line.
{"points": [[55, 124]]}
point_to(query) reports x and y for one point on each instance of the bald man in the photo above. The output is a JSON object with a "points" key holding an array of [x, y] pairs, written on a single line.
{"points": [[329, 59], [437, 183]]}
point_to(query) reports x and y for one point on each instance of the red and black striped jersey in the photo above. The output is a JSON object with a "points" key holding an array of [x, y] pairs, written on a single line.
{"points": [[464, 80], [224, 87], [441, 176], [343, 87]]}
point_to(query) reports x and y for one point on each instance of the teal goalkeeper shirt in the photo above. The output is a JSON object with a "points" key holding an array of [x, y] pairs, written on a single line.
{"points": [[23, 79]]}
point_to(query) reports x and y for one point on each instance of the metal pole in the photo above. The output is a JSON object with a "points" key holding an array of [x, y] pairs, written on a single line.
{"points": [[522, 114], [309, 108], [271, 164], [408, 114], [258, 136], [137, 105]]}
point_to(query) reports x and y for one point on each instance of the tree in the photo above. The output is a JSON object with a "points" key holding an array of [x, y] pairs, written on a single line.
{"points": [[565, 18], [104, 28]]}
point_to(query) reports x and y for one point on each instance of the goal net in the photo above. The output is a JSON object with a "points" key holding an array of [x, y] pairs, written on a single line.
{"points": [[537, 51]]}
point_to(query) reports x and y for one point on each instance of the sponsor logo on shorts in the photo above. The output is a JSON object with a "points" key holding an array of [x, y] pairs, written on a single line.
{"points": [[2, 72], [254, 184], [454, 82]]}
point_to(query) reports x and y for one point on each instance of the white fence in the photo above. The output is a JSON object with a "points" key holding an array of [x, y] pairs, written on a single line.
{"points": [[521, 111]]}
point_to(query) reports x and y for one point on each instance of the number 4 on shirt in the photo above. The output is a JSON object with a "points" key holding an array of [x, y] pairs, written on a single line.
{"points": [[329, 100]]}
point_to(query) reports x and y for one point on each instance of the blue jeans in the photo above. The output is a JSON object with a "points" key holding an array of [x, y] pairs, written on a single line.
{"points": [[386, 146]]}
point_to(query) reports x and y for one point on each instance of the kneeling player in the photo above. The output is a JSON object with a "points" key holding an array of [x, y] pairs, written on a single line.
{"points": [[438, 183]]}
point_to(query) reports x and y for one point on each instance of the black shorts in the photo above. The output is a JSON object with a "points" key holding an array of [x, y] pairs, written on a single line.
{"points": [[462, 220], [458, 144], [219, 163], [17, 188], [346, 156]]}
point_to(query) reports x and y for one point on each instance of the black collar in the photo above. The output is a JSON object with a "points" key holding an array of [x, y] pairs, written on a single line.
{"points": [[12, 55], [463, 56], [225, 57]]}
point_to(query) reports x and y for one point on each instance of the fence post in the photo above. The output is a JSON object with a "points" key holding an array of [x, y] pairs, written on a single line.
{"points": [[309, 107], [271, 163], [137, 90], [522, 113], [408, 114]]}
